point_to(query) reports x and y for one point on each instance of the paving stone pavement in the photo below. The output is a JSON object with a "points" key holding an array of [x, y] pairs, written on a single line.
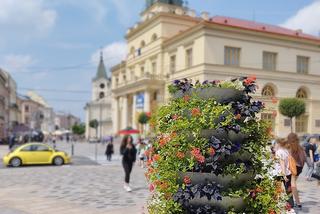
{"points": [[89, 187], [70, 189]]}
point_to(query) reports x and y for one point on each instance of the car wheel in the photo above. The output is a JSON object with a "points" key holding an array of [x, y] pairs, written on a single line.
{"points": [[58, 161], [15, 162]]}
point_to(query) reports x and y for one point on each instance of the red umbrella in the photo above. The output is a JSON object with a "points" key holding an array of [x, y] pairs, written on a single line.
{"points": [[128, 131]]}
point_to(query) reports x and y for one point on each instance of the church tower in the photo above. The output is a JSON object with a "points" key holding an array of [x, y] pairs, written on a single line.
{"points": [[100, 106], [101, 83]]}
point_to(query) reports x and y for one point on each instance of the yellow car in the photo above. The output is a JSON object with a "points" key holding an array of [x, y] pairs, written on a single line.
{"points": [[35, 153]]}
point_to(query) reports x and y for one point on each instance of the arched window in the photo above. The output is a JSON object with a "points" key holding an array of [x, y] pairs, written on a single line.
{"points": [[132, 50], [268, 91], [142, 44], [301, 93], [154, 37], [101, 95]]}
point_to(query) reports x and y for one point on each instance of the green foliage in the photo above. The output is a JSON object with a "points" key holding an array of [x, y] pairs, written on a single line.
{"points": [[94, 123], [143, 118], [78, 129], [292, 107]]}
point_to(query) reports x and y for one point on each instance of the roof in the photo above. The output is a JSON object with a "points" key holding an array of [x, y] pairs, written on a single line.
{"points": [[261, 27], [101, 72]]}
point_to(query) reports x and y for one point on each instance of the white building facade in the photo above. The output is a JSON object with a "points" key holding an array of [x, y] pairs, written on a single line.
{"points": [[99, 108], [171, 42]]}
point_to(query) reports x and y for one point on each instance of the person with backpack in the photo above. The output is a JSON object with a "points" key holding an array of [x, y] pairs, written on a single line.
{"points": [[299, 157], [310, 150]]}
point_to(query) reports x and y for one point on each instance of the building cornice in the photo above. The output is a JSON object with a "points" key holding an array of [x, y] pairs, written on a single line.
{"points": [[210, 25]]}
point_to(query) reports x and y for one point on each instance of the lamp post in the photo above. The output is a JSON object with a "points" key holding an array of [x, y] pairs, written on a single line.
{"points": [[101, 96]]}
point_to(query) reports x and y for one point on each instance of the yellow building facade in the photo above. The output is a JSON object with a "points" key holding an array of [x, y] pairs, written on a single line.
{"points": [[171, 42]]}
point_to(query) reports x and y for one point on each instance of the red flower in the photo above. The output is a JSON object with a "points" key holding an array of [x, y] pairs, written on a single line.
{"points": [[197, 154], [180, 155], [163, 141], [156, 157], [151, 187], [212, 151], [238, 116], [195, 151], [200, 158], [272, 212], [186, 98], [195, 112], [250, 80], [175, 117], [149, 162], [288, 207], [186, 180], [274, 100]]}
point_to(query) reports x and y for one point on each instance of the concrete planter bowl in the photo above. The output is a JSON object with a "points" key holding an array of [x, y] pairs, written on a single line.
{"points": [[221, 95], [226, 203], [224, 180], [224, 135]]}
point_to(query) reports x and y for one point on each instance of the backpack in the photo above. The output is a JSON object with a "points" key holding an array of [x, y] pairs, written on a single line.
{"points": [[292, 165]]}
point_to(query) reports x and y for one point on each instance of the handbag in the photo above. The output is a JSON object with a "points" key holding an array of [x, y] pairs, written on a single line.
{"points": [[292, 165]]}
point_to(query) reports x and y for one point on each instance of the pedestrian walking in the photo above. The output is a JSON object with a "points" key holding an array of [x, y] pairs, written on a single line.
{"points": [[310, 150], [282, 154], [109, 150], [298, 154], [128, 152], [142, 147], [11, 141]]}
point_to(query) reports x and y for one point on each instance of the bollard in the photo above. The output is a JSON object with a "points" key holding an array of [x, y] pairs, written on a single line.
{"points": [[72, 149]]}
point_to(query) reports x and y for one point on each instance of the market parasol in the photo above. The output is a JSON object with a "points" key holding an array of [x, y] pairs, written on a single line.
{"points": [[129, 130]]}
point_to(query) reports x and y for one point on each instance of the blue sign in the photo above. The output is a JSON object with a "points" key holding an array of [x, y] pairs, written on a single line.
{"points": [[140, 100]]}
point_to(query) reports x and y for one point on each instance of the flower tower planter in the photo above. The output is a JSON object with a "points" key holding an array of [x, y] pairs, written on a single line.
{"points": [[209, 155]]}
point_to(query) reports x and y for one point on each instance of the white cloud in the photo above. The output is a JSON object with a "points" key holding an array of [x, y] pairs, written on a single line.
{"points": [[17, 63], [306, 19], [27, 18], [112, 53]]}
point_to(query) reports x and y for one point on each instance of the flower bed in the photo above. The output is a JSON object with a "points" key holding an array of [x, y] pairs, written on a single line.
{"points": [[210, 150]]}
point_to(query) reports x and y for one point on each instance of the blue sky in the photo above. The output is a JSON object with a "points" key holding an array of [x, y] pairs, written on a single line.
{"points": [[54, 44]]}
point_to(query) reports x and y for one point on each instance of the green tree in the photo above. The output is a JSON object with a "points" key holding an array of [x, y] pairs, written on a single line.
{"points": [[78, 129], [292, 107], [94, 124], [143, 119]]}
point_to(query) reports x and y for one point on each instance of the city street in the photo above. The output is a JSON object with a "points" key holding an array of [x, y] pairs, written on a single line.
{"points": [[84, 187]]}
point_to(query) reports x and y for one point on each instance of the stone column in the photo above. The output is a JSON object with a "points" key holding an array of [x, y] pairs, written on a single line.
{"points": [[124, 123], [134, 111], [147, 98], [115, 115]]}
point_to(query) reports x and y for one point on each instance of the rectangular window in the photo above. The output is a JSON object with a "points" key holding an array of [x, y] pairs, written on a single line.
{"points": [[269, 118], [154, 67], [302, 124], [26, 108], [269, 61], [317, 123], [232, 56], [287, 122], [142, 70], [189, 59], [302, 65], [173, 64]]}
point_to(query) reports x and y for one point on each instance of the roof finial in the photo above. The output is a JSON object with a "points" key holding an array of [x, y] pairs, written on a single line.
{"points": [[101, 54]]}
